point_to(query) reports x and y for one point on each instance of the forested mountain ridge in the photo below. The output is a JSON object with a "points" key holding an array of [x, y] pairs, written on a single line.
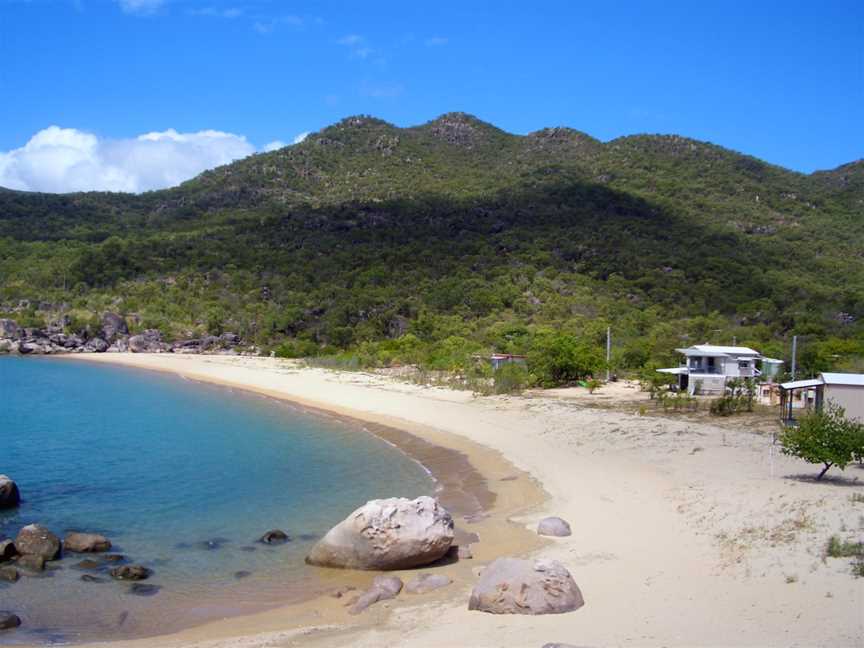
{"points": [[461, 236]]}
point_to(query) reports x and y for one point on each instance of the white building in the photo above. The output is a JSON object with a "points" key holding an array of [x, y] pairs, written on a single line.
{"points": [[843, 389], [706, 368]]}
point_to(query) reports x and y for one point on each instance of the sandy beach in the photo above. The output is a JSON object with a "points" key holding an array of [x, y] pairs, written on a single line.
{"points": [[686, 532]]}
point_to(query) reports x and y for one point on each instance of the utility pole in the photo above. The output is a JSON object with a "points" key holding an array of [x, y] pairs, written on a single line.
{"points": [[794, 354], [608, 350]]}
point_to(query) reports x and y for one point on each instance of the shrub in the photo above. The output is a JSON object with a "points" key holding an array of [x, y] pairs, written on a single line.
{"points": [[511, 378], [826, 438], [559, 359], [739, 396], [592, 384], [838, 548]]}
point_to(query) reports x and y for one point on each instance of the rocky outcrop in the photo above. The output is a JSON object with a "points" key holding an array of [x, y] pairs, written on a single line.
{"points": [[31, 563], [553, 526], [9, 329], [150, 341], [113, 326], [513, 586], [423, 583], [10, 496], [383, 588], [395, 533], [36, 540], [86, 542], [96, 345]]}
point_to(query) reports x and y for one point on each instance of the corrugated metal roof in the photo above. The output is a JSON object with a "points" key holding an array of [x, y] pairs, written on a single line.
{"points": [[674, 370], [802, 384], [843, 379], [710, 349]]}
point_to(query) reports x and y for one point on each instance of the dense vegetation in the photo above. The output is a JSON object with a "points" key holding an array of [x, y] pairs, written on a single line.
{"points": [[428, 244]]}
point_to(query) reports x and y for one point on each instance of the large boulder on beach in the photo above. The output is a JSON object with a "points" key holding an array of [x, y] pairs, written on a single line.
{"points": [[86, 542], [553, 526], [514, 586], [113, 326], [10, 496], [36, 540], [395, 533]]}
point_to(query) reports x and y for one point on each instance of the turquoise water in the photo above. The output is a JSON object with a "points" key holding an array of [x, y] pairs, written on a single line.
{"points": [[164, 466]]}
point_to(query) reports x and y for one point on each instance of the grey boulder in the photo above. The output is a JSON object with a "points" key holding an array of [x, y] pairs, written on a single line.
{"points": [[395, 533], [86, 542], [423, 583], [553, 526], [7, 550], [96, 345], [10, 496], [513, 586], [9, 329], [36, 540], [383, 588]]}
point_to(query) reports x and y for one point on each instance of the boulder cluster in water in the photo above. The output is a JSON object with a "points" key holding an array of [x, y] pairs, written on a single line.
{"points": [[111, 336]]}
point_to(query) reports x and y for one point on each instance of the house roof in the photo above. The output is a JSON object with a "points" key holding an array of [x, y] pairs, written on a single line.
{"points": [[674, 370], [802, 384], [711, 349], [843, 379]]}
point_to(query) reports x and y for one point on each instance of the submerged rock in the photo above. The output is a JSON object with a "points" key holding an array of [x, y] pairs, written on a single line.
{"points": [[275, 536], [89, 578], [88, 564], [131, 572], [144, 589], [10, 496], [553, 526], [423, 583], [513, 586], [8, 621], [9, 574], [114, 558], [86, 542], [242, 574], [395, 533], [36, 540]]}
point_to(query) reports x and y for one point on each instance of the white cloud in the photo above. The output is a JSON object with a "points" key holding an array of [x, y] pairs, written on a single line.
{"points": [[66, 159], [140, 7], [350, 39], [436, 41], [302, 136], [275, 145]]}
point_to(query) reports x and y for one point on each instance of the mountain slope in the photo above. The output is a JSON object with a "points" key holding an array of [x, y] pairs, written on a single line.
{"points": [[366, 231]]}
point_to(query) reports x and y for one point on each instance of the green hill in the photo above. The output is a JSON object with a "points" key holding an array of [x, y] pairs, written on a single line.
{"points": [[464, 237]]}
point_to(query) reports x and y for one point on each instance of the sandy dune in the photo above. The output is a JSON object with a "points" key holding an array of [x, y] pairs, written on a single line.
{"points": [[684, 533]]}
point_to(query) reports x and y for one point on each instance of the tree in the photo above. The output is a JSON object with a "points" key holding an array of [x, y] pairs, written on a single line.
{"points": [[825, 437]]}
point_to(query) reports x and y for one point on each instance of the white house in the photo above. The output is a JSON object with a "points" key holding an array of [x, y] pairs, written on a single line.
{"points": [[843, 389], [707, 367]]}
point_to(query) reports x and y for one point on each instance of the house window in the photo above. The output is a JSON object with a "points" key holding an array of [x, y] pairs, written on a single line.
{"points": [[743, 364]]}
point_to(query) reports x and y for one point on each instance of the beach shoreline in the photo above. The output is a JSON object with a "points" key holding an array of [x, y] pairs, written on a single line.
{"points": [[685, 533]]}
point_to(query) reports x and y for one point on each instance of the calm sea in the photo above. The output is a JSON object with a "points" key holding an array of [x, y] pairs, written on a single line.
{"points": [[184, 478]]}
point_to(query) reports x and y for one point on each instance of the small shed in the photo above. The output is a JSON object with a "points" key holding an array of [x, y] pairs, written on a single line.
{"points": [[498, 360], [844, 389]]}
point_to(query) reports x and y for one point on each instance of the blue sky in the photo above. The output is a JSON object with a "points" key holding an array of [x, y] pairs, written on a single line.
{"points": [[782, 80]]}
